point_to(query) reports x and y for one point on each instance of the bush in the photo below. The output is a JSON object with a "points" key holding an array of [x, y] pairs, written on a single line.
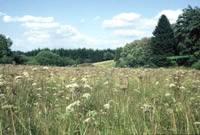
{"points": [[6, 60], [32, 61], [196, 65], [160, 61], [48, 58], [19, 58]]}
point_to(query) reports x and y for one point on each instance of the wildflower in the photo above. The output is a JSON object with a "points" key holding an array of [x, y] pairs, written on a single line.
{"points": [[34, 69], [172, 85], [56, 105], [45, 68], [38, 95], [73, 79], [146, 107], [39, 89], [34, 84], [169, 111], [197, 123], [35, 104], [106, 83], [86, 86], [70, 108], [26, 74], [106, 106], [88, 120], [84, 80], [2, 95], [86, 96], [72, 87], [182, 88], [157, 83], [167, 94], [18, 77], [192, 98]]}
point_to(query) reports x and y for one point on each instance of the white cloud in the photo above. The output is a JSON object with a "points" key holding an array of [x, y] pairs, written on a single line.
{"points": [[66, 30], [83, 39], [121, 20], [37, 36], [28, 18], [45, 30], [134, 25], [127, 16], [2, 14], [172, 15], [131, 33], [39, 25]]}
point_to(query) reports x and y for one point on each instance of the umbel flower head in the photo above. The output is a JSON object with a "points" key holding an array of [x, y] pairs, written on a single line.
{"points": [[86, 96], [70, 108]]}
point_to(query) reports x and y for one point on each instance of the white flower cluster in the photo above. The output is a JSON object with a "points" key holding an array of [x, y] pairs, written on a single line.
{"points": [[86, 96], [72, 87], [70, 108], [146, 108]]}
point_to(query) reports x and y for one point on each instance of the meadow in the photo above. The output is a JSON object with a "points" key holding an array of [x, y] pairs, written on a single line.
{"points": [[37, 100]]}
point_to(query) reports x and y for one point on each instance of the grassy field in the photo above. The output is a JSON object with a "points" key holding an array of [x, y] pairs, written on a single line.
{"points": [[96, 100], [109, 63]]}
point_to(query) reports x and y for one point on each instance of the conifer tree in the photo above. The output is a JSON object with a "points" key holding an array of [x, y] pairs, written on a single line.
{"points": [[163, 42]]}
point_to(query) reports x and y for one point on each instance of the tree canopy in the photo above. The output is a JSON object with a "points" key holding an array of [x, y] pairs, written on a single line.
{"points": [[187, 32], [5, 51]]}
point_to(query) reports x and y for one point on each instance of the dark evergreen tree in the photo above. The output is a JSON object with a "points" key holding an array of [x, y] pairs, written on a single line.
{"points": [[163, 42]]}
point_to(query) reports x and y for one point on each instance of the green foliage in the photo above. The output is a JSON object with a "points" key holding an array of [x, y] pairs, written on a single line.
{"points": [[65, 61], [77, 56], [107, 56], [48, 58], [19, 58], [163, 43], [180, 60], [160, 61], [6, 59], [187, 31], [196, 65], [5, 52], [117, 55], [31, 61], [135, 54]]}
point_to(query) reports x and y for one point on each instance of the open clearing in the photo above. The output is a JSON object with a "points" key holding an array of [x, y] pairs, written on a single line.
{"points": [[109, 63]]}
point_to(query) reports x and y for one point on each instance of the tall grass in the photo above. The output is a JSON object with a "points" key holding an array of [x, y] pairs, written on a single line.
{"points": [[96, 100]]}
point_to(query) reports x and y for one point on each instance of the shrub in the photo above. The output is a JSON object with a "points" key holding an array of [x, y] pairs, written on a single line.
{"points": [[48, 58]]}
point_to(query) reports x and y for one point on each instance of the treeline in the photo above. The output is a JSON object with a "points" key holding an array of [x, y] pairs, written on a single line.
{"points": [[62, 57], [57, 57], [171, 45]]}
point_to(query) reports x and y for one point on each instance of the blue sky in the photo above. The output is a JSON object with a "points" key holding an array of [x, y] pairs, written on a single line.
{"points": [[101, 24]]}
